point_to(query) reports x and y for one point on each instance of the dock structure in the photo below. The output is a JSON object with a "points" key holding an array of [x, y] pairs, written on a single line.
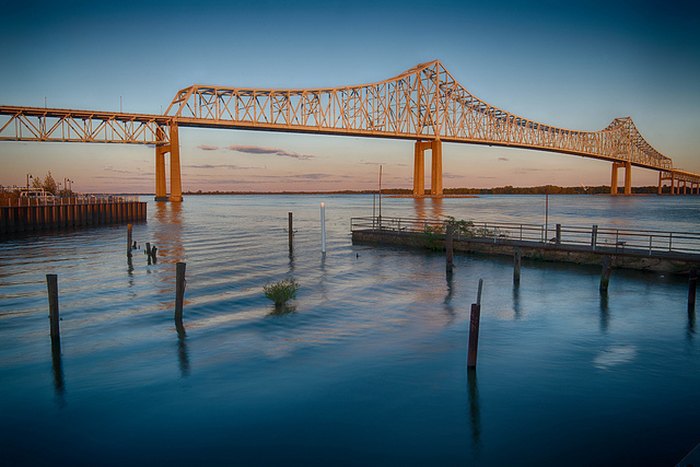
{"points": [[66, 213], [670, 252]]}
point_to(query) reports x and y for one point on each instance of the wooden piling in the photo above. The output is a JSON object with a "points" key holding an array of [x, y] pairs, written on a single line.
{"points": [[129, 242], [558, 234], [517, 260], [692, 288], [594, 237], [605, 275], [52, 286], [290, 227], [474, 320], [179, 291], [449, 248]]}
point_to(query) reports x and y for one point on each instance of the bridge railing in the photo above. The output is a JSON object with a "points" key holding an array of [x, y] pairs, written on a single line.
{"points": [[595, 238]]}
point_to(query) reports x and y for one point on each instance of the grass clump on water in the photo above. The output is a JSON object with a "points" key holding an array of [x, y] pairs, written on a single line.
{"points": [[282, 291]]}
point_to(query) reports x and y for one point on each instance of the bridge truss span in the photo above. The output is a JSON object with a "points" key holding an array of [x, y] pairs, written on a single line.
{"points": [[423, 103], [81, 126]]}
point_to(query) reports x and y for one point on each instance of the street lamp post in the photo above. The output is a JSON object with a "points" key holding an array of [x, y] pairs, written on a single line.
{"points": [[28, 177]]}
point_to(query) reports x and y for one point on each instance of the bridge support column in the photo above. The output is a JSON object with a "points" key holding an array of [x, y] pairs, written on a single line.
{"points": [[435, 147], [436, 173], [685, 187], [175, 178], [628, 178], [661, 184], [613, 178], [673, 184], [161, 194], [419, 170]]}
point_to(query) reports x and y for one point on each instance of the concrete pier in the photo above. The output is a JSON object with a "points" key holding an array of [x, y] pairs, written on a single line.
{"points": [[620, 257]]}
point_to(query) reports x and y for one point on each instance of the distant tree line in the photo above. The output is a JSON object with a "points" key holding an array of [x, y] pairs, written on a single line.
{"points": [[503, 190]]}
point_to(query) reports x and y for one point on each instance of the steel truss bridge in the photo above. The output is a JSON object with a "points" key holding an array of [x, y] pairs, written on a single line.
{"points": [[425, 104]]}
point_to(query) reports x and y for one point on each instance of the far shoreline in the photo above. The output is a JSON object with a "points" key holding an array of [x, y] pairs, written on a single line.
{"points": [[448, 192]]}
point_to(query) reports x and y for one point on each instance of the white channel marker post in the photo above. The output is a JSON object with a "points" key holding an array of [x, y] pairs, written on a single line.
{"points": [[323, 228]]}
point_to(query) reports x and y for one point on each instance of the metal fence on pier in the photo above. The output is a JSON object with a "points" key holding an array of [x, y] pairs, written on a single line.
{"points": [[594, 237]]}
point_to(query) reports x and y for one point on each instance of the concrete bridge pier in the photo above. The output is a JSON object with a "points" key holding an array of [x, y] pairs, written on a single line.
{"points": [[435, 147], [673, 184], [175, 176], [628, 178]]}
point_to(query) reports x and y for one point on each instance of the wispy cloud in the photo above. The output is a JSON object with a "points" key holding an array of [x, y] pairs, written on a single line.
{"points": [[109, 168], [382, 163], [503, 159], [207, 147], [304, 177], [272, 151], [219, 166]]}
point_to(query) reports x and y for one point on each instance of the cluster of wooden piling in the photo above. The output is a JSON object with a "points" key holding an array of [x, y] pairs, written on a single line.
{"points": [[16, 219], [475, 315]]}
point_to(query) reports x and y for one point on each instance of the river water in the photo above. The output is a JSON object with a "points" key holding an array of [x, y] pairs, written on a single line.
{"points": [[368, 364]]}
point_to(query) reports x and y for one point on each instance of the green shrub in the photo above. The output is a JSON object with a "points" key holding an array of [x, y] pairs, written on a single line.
{"points": [[282, 291]]}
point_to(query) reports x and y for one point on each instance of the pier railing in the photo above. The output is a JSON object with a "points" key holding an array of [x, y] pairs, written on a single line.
{"points": [[593, 237], [72, 200]]}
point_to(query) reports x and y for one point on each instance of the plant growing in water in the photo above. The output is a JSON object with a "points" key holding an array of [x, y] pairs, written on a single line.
{"points": [[282, 291]]}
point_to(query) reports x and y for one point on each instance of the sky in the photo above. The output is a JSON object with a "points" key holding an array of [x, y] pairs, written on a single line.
{"points": [[575, 65]]}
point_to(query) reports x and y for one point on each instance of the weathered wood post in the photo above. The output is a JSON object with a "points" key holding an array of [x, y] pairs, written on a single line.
{"points": [[517, 259], [605, 275], [594, 237], [474, 329], [52, 286], [692, 288], [449, 250], [290, 223], [179, 291], [323, 228], [129, 242], [148, 252], [558, 234]]}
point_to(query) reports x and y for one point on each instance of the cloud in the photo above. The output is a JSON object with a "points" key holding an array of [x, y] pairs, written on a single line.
{"points": [[449, 175], [144, 177], [526, 170], [219, 166], [272, 151], [207, 147], [503, 159], [303, 177], [109, 168]]}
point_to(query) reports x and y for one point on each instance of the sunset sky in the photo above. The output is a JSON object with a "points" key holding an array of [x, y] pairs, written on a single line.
{"points": [[570, 64]]}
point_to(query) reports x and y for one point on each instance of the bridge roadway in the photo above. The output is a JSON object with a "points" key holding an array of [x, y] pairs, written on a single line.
{"points": [[424, 104]]}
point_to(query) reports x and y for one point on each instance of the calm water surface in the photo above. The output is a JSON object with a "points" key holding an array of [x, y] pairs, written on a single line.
{"points": [[367, 368]]}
